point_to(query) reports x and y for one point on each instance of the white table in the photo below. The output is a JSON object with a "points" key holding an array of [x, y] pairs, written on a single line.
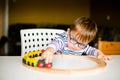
{"points": [[11, 68]]}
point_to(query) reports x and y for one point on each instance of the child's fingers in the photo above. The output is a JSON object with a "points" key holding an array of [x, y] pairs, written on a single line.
{"points": [[48, 58], [109, 58], [100, 57], [68, 34], [105, 58], [44, 55], [68, 31]]}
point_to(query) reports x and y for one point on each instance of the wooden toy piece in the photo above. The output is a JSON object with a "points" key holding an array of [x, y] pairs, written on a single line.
{"points": [[48, 65], [41, 63], [42, 50]]}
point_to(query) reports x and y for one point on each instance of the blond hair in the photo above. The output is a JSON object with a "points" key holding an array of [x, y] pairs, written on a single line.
{"points": [[85, 28]]}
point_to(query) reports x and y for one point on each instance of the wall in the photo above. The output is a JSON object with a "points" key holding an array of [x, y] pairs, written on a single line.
{"points": [[47, 11], [106, 12], [1, 17]]}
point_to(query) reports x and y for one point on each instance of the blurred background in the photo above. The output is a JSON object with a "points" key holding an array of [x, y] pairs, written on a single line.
{"points": [[59, 14]]}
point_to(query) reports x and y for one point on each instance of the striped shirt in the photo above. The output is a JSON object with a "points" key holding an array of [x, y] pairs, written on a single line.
{"points": [[60, 47]]}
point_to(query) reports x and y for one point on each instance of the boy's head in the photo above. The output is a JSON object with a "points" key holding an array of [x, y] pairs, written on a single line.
{"points": [[84, 29]]}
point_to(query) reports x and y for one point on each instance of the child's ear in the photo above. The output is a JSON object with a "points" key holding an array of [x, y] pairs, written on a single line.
{"points": [[68, 33]]}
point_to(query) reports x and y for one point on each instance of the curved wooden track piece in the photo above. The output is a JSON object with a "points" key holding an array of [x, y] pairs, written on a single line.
{"points": [[99, 67]]}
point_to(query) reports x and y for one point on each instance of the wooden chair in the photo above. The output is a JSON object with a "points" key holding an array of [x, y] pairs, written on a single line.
{"points": [[109, 47]]}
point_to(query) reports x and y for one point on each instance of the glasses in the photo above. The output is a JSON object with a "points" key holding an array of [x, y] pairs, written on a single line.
{"points": [[75, 42]]}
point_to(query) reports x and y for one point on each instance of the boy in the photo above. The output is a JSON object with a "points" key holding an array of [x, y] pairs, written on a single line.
{"points": [[75, 41]]}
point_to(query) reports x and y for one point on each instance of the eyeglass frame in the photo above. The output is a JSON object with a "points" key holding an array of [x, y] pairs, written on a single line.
{"points": [[80, 45]]}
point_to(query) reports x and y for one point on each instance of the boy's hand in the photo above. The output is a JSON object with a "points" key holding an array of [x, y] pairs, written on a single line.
{"points": [[48, 55], [103, 57]]}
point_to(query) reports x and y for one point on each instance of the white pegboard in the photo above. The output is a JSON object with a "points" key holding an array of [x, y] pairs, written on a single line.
{"points": [[36, 39]]}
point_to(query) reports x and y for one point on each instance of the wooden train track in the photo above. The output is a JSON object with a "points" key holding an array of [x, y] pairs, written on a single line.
{"points": [[31, 60]]}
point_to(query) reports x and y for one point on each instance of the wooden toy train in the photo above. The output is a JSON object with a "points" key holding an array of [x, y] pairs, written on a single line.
{"points": [[33, 59]]}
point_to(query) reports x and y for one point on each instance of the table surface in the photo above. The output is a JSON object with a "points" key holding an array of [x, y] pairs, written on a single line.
{"points": [[11, 68]]}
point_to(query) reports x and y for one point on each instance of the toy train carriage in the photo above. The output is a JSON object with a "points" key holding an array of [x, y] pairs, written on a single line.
{"points": [[31, 60]]}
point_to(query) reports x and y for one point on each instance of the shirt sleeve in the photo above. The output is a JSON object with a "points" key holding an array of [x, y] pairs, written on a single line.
{"points": [[92, 51], [57, 43]]}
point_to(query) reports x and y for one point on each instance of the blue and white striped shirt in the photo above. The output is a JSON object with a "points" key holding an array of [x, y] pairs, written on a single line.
{"points": [[60, 46]]}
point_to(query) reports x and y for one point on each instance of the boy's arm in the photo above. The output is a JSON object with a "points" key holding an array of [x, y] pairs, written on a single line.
{"points": [[51, 49], [99, 54]]}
